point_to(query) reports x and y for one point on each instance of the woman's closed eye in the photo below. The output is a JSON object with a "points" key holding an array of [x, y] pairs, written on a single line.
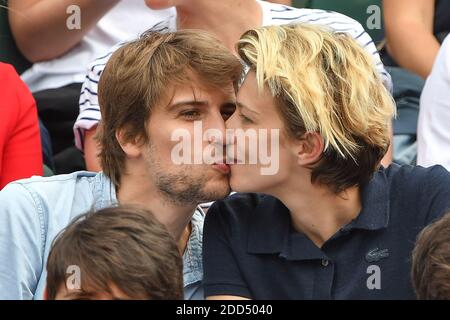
{"points": [[244, 118]]}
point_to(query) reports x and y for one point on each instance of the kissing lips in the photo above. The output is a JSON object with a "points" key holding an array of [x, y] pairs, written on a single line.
{"points": [[222, 167]]}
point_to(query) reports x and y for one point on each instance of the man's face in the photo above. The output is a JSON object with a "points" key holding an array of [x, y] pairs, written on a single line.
{"points": [[190, 106]]}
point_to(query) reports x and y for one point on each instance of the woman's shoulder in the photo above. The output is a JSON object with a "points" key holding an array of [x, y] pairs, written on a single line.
{"points": [[417, 193], [415, 182], [416, 175]]}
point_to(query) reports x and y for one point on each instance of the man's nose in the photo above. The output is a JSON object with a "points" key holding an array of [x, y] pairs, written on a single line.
{"points": [[217, 123], [232, 121]]}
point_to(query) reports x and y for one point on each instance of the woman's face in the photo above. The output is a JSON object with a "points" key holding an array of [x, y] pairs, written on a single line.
{"points": [[256, 114]]}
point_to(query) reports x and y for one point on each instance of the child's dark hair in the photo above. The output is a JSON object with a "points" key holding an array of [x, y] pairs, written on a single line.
{"points": [[125, 246], [431, 261]]}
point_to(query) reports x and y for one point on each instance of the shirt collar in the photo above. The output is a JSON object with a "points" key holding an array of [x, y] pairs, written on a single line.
{"points": [[375, 204], [104, 192], [270, 225], [192, 257]]}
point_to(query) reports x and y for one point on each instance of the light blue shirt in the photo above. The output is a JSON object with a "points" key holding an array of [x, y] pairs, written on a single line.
{"points": [[34, 211]]}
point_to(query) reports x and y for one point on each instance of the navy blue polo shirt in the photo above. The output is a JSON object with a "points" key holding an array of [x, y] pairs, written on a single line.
{"points": [[250, 248]]}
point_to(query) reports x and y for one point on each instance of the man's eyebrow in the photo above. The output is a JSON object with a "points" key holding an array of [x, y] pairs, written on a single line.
{"points": [[180, 104], [243, 106]]}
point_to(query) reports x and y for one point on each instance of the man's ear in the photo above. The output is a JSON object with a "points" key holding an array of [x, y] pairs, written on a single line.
{"points": [[45, 293], [309, 149], [131, 148]]}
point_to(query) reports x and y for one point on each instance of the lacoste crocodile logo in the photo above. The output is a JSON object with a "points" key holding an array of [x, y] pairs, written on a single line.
{"points": [[376, 254]]}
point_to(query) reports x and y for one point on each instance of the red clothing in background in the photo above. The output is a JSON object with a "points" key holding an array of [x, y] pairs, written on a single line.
{"points": [[20, 142]]}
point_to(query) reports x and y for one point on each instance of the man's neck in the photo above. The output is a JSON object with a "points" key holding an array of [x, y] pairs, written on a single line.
{"points": [[317, 212], [139, 190], [227, 20]]}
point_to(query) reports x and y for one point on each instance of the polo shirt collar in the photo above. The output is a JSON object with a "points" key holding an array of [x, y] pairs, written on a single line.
{"points": [[375, 204], [270, 232], [270, 224], [192, 257]]}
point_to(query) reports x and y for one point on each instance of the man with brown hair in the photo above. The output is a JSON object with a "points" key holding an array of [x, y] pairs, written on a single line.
{"points": [[150, 87], [431, 261], [116, 253]]}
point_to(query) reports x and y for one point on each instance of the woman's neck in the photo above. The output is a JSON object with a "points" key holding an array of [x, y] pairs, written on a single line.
{"points": [[318, 212]]}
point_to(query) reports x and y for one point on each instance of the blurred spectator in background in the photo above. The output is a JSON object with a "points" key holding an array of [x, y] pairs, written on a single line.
{"points": [[414, 31], [286, 2], [61, 52], [433, 132], [227, 24], [20, 145]]}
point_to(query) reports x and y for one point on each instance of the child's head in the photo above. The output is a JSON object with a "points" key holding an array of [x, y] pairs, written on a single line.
{"points": [[115, 253], [431, 261]]}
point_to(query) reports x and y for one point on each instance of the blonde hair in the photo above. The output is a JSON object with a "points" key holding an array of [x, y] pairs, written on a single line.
{"points": [[326, 83]]}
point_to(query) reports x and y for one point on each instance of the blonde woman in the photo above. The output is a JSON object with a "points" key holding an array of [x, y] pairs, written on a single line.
{"points": [[331, 223]]}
